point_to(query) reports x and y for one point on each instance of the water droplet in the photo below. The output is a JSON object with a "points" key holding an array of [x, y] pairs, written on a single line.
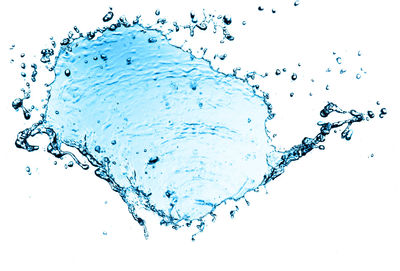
{"points": [[296, 3], [157, 12], [227, 20], [294, 76], [339, 60], [17, 103], [371, 114], [67, 72], [278, 72], [260, 8], [113, 142], [383, 112], [152, 40], [347, 134], [108, 16], [273, 11], [105, 233], [358, 76]]}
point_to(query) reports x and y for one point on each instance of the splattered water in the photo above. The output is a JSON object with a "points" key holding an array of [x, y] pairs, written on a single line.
{"points": [[169, 133]]}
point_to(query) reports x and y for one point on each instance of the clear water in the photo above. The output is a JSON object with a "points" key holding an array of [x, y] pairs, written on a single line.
{"points": [[170, 134]]}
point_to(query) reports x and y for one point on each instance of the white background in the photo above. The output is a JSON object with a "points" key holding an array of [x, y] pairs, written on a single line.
{"points": [[336, 209]]}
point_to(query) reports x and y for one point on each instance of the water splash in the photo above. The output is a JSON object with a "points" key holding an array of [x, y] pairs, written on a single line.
{"points": [[168, 132]]}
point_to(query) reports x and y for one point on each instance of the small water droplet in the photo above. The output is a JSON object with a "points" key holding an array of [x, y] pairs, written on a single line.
{"points": [[157, 12], [227, 20], [339, 60], [371, 114], [383, 112], [278, 72], [358, 76], [108, 16], [294, 76], [347, 134], [67, 72]]}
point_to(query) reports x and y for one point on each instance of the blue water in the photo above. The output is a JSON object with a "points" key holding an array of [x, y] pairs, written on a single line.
{"points": [[171, 126], [170, 134]]}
